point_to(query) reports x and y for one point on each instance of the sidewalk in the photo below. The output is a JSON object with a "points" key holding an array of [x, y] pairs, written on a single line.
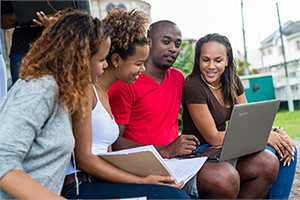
{"points": [[295, 193]]}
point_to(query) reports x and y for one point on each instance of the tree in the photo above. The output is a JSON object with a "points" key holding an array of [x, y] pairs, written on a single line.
{"points": [[240, 70], [185, 60], [184, 63]]}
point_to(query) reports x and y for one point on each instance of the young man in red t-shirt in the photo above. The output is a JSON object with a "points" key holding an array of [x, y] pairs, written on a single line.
{"points": [[147, 113]]}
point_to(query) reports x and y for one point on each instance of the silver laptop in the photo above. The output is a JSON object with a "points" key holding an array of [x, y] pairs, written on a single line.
{"points": [[248, 131]]}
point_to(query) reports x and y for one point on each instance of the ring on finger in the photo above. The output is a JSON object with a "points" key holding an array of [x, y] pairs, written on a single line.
{"points": [[280, 147]]}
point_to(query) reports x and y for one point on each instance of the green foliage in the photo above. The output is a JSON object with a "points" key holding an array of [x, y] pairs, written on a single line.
{"points": [[184, 63], [290, 122], [185, 59], [241, 68], [255, 71]]}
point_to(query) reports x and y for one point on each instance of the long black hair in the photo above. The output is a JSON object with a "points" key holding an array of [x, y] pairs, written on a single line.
{"points": [[229, 76]]}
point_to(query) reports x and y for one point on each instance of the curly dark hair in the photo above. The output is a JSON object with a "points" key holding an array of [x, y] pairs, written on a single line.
{"points": [[63, 51], [229, 76], [128, 29]]}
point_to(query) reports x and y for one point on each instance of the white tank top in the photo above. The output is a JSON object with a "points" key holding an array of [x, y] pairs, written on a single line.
{"points": [[104, 129]]}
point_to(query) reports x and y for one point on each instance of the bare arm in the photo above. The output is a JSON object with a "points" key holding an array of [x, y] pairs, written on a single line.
{"points": [[20, 185], [242, 99], [123, 143], [205, 123], [184, 144]]}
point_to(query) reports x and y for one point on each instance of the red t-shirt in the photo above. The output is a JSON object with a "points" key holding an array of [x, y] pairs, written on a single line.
{"points": [[149, 110]]}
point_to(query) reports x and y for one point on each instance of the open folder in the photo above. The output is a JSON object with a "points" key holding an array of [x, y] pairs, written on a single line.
{"points": [[145, 160]]}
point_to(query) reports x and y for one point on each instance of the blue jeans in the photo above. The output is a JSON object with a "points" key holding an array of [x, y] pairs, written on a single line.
{"points": [[100, 190], [282, 186], [15, 62]]}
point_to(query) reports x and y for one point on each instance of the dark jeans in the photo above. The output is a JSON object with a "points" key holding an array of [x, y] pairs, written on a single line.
{"points": [[15, 62], [101, 190]]}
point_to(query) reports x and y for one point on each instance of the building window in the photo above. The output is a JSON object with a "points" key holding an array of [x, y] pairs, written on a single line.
{"points": [[110, 6], [298, 45], [269, 51], [122, 6], [280, 51]]}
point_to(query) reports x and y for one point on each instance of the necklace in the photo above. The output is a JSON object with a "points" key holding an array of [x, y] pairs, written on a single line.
{"points": [[209, 85]]}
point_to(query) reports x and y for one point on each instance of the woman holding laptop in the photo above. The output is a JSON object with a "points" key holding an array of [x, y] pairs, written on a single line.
{"points": [[210, 92]]}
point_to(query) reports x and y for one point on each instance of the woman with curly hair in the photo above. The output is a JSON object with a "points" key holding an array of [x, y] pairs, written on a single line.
{"points": [[36, 139], [95, 129]]}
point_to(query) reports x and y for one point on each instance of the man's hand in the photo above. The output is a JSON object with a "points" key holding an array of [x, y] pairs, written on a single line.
{"points": [[183, 145]]}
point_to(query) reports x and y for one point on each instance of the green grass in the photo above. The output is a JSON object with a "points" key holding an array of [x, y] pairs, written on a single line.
{"points": [[290, 122]]}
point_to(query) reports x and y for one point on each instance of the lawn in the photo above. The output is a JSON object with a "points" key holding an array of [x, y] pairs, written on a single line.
{"points": [[290, 122]]}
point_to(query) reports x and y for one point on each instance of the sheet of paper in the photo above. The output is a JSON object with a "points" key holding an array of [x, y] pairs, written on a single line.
{"points": [[185, 169]]}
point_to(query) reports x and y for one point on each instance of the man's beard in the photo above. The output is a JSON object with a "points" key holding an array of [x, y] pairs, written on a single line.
{"points": [[165, 66]]}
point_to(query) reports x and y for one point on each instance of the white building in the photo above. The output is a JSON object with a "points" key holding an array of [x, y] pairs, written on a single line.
{"points": [[272, 53], [101, 7], [272, 58]]}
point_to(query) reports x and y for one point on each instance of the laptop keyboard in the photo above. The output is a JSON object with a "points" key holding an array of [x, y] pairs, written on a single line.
{"points": [[212, 154]]}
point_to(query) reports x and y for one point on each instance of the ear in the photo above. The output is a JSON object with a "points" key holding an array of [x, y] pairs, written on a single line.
{"points": [[115, 58], [149, 42]]}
